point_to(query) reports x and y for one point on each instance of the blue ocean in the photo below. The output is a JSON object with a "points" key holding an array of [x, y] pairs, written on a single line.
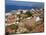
{"points": [[15, 5]]}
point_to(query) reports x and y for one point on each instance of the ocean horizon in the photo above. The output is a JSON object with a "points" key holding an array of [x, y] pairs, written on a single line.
{"points": [[15, 5]]}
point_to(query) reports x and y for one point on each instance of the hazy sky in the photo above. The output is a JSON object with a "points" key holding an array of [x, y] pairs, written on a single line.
{"points": [[13, 2], [29, 0]]}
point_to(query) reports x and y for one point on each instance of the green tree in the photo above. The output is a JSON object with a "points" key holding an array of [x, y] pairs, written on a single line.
{"points": [[28, 13]]}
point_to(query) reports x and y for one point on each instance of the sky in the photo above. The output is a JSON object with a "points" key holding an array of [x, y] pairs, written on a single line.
{"points": [[15, 4], [28, 0]]}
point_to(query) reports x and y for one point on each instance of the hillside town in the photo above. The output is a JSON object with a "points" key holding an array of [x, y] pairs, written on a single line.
{"points": [[25, 21]]}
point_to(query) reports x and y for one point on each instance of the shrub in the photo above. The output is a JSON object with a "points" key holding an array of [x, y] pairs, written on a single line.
{"points": [[28, 13]]}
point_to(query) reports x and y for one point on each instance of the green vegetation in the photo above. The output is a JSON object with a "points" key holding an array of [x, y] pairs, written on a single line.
{"points": [[14, 26], [6, 16], [28, 13]]}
